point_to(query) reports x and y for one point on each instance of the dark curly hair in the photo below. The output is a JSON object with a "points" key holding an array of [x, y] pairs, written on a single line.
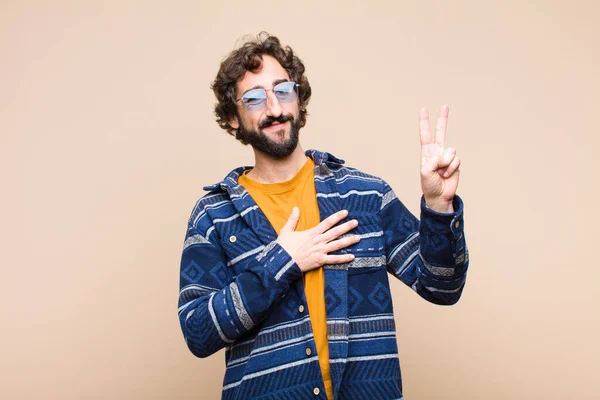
{"points": [[249, 58]]}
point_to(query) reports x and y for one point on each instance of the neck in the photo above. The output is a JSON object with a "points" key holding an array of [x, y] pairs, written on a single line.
{"points": [[273, 170]]}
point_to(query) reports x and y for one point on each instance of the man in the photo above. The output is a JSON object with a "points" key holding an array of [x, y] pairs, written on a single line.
{"points": [[285, 264]]}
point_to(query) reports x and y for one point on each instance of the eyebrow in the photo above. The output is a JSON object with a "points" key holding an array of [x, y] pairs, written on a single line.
{"points": [[275, 83]]}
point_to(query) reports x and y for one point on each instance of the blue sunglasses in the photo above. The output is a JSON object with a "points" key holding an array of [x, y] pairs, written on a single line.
{"points": [[256, 99]]}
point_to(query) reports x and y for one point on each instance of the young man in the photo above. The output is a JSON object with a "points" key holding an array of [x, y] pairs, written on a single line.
{"points": [[286, 264]]}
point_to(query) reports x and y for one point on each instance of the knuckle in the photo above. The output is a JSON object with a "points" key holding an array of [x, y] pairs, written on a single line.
{"points": [[337, 232]]}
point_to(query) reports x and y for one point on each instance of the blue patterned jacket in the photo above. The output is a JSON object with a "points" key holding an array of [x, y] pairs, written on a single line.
{"points": [[241, 291]]}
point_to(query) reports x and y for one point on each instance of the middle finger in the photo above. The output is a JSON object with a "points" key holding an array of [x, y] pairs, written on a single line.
{"points": [[339, 230]]}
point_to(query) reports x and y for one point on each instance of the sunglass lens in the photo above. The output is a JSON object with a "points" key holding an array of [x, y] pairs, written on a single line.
{"points": [[254, 99], [285, 91]]}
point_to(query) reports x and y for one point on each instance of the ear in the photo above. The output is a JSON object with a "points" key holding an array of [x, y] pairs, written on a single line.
{"points": [[235, 124]]}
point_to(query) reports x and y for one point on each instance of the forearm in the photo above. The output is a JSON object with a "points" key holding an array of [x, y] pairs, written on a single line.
{"points": [[218, 317], [443, 258], [429, 255]]}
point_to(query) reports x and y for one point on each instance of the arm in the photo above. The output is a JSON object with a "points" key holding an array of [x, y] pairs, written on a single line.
{"points": [[429, 256], [212, 315]]}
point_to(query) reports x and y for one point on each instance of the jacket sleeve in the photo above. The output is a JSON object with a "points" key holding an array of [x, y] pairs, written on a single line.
{"points": [[217, 308], [430, 256]]}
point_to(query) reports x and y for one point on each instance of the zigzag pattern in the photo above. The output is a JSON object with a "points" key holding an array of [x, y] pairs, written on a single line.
{"points": [[370, 390]]}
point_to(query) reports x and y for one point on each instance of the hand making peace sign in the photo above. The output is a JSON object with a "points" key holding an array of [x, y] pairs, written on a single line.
{"points": [[439, 166]]}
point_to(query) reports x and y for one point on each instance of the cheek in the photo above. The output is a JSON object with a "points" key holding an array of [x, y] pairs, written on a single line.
{"points": [[256, 121], [291, 108], [251, 121]]}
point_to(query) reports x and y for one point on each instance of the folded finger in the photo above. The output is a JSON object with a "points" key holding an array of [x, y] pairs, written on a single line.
{"points": [[431, 166], [453, 167], [448, 156]]}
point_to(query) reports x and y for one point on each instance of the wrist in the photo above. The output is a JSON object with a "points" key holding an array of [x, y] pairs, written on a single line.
{"points": [[440, 205]]}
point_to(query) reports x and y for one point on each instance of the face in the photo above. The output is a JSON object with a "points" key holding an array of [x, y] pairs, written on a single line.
{"points": [[274, 128]]}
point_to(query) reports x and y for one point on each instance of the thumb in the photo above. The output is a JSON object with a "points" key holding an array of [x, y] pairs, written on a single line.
{"points": [[292, 221], [430, 167]]}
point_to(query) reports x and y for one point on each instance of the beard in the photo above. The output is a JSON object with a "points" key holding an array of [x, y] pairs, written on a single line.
{"points": [[261, 142]]}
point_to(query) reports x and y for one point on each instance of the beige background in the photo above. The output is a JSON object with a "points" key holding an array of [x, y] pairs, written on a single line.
{"points": [[107, 137]]}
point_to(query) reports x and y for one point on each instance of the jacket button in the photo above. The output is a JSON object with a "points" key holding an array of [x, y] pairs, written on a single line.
{"points": [[308, 351], [301, 308], [316, 391], [232, 239]]}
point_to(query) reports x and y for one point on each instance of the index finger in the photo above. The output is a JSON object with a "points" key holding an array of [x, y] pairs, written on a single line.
{"points": [[424, 132], [330, 221], [440, 132]]}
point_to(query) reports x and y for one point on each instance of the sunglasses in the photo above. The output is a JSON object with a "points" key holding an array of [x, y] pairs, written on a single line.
{"points": [[256, 99]]}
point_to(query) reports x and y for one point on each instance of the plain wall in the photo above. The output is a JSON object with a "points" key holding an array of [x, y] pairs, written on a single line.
{"points": [[107, 137]]}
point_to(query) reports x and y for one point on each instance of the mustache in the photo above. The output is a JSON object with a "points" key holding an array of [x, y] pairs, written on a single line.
{"points": [[271, 120]]}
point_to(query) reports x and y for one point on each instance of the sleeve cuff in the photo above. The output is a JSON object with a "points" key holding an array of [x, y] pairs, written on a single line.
{"points": [[444, 223], [279, 263]]}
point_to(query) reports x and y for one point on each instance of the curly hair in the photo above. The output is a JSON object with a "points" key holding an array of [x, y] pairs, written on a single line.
{"points": [[248, 57]]}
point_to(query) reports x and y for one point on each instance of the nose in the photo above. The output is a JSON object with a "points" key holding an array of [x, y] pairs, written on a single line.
{"points": [[273, 107]]}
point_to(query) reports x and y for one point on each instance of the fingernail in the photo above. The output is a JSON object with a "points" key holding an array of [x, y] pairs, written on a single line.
{"points": [[354, 222]]}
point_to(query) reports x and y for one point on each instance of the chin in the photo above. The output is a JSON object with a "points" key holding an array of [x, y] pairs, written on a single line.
{"points": [[277, 133], [283, 133]]}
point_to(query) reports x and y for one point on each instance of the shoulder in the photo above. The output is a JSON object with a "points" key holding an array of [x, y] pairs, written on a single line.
{"points": [[350, 178], [213, 204], [335, 168], [217, 203]]}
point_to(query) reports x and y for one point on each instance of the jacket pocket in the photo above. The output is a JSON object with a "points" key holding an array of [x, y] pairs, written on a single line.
{"points": [[369, 252], [240, 248]]}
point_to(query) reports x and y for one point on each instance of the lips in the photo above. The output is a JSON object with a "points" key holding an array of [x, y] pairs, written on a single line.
{"points": [[272, 121], [275, 124]]}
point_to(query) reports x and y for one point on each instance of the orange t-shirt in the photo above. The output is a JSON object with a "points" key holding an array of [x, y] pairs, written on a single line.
{"points": [[276, 201]]}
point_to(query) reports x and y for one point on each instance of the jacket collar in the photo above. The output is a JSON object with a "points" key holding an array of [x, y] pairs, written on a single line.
{"points": [[231, 180]]}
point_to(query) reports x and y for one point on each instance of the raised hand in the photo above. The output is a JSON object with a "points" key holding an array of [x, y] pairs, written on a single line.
{"points": [[439, 166], [310, 248]]}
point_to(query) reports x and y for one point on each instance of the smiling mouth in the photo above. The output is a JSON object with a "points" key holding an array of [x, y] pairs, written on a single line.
{"points": [[275, 125]]}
